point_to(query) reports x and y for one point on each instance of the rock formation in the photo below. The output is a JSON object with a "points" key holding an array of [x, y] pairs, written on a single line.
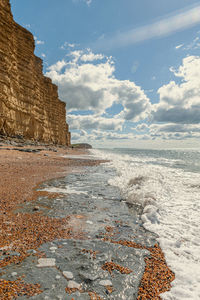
{"points": [[29, 103]]}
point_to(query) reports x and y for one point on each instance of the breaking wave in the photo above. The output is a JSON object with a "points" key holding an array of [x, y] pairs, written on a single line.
{"points": [[170, 197]]}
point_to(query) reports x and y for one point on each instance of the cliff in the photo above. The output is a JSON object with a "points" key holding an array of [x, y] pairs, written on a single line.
{"points": [[29, 103]]}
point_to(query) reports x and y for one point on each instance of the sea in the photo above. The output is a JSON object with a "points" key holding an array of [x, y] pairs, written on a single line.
{"points": [[166, 185]]}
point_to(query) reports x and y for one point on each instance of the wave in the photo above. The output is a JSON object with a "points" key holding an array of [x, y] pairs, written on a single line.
{"points": [[170, 198]]}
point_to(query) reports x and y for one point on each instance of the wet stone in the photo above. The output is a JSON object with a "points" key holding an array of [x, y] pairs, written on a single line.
{"points": [[31, 251], [105, 282], [73, 285], [46, 262], [68, 275]]}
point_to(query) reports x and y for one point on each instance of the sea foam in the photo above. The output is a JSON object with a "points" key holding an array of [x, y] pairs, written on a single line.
{"points": [[170, 198]]}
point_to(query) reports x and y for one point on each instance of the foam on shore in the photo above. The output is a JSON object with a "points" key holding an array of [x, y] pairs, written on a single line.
{"points": [[170, 198]]}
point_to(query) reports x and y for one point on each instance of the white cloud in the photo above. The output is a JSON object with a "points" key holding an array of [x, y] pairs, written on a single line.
{"points": [[93, 86], [174, 131], [195, 44], [91, 122], [102, 136], [168, 131], [38, 42], [57, 67], [164, 27], [142, 127], [180, 103], [135, 102], [67, 45], [76, 137], [91, 57]]}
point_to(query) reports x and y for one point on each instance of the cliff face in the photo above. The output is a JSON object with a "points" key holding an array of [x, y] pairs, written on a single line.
{"points": [[29, 104]]}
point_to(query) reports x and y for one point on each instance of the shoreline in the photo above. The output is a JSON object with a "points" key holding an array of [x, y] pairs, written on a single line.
{"points": [[21, 174], [23, 232]]}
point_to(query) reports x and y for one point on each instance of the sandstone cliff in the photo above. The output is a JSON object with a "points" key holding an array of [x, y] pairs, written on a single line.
{"points": [[29, 104]]}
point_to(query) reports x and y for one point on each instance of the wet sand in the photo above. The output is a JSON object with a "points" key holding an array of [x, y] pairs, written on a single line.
{"points": [[21, 173]]}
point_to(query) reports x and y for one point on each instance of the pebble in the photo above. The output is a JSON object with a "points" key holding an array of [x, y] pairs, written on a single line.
{"points": [[89, 222], [14, 274], [73, 285], [58, 277], [36, 208], [105, 282], [14, 253], [46, 262], [68, 275], [5, 248], [31, 251], [53, 249]]}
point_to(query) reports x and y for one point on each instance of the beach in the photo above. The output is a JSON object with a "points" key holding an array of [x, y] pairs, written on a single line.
{"points": [[30, 227]]}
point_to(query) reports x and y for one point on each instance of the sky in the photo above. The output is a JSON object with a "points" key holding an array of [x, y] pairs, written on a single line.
{"points": [[129, 71]]}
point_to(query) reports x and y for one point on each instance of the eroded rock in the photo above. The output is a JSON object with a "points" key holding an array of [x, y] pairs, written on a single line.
{"points": [[29, 105]]}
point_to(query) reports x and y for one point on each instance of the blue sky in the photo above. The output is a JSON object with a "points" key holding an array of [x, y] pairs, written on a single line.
{"points": [[128, 70]]}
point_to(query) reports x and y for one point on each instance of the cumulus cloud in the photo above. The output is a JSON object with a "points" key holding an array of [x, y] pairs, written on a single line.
{"points": [[91, 57], [169, 131], [166, 26], [86, 83], [91, 122], [57, 67], [174, 131], [102, 136], [142, 127], [175, 128], [177, 115], [180, 103], [135, 102]]}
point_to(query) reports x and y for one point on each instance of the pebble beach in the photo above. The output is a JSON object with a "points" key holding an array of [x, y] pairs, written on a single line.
{"points": [[35, 236]]}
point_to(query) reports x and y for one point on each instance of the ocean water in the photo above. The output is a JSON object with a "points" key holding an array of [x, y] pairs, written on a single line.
{"points": [[165, 184]]}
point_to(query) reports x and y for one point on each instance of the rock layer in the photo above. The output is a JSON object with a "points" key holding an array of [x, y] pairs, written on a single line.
{"points": [[29, 103]]}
